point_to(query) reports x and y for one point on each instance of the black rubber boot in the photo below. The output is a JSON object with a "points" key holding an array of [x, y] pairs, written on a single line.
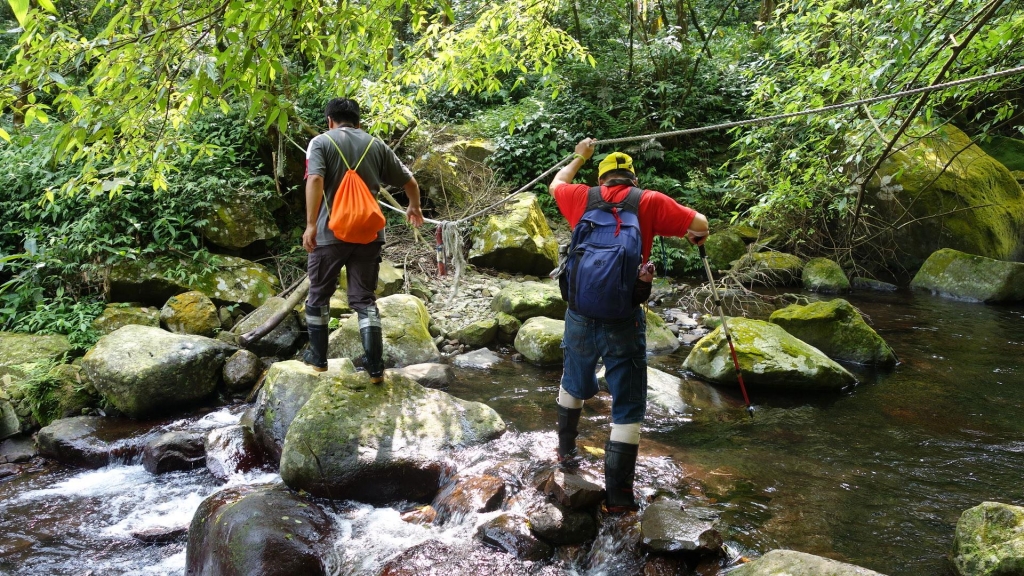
{"points": [[568, 431], [619, 471], [373, 343], [316, 325]]}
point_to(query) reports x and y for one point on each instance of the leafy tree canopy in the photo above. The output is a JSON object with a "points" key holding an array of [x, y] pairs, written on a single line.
{"points": [[124, 76]]}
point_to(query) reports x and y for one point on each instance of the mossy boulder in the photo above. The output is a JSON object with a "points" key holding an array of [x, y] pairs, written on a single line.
{"points": [[724, 248], [146, 371], [18, 348], [438, 177], [516, 239], [117, 315], [540, 340], [660, 340], [282, 340], [477, 334], [769, 268], [286, 388], [837, 329], [1007, 151], [954, 274], [508, 327], [981, 204], [793, 563], [405, 323], [191, 313], [749, 234], [239, 220], [525, 300], [989, 540], [824, 275], [379, 443], [152, 281], [266, 530], [769, 358]]}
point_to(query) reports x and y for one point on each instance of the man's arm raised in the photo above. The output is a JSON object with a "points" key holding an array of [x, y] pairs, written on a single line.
{"points": [[584, 150]]}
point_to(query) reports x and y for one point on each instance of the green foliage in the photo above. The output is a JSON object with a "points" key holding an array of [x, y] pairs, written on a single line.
{"points": [[58, 246], [803, 176], [127, 79], [39, 387]]}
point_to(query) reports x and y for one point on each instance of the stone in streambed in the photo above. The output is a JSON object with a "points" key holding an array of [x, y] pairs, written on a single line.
{"points": [[241, 370], [282, 340], [570, 489], [540, 340], [160, 534], [511, 534], [434, 558], [824, 275], [508, 327], [92, 441], [954, 274], [231, 450], [379, 443], [668, 526], [990, 540], [793, 563], [286, 388], [174, 452], [265, 530], [405, 324], [17, 450], [429, 374], [723, 248], [660, 340], [477, 334], [860, 283], [561, 525], [144, 371], [525, 300], [462, 496], [837, 329], [769, 357], [481, 359]]}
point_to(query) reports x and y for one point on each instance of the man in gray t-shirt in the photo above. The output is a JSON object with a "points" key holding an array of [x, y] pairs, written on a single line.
{"points": [[325, 168]]}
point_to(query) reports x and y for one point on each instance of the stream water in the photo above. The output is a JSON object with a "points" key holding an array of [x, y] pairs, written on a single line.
{"points": [[876, 476]]}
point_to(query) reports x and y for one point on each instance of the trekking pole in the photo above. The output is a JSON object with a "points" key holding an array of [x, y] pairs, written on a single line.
{"points": [[725, 328]]}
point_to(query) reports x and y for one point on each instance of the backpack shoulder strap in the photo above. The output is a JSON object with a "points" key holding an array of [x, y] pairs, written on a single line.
{"points": [[338, 148], [632, 201], [594, 199]]}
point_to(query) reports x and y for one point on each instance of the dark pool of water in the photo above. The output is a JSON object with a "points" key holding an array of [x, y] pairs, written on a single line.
{"points": [[876, 476]]}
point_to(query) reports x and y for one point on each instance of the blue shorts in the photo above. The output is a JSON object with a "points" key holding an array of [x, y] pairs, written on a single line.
{"points": [[622, 345]]}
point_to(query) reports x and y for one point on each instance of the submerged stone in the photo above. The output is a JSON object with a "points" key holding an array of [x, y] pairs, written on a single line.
{"points": [[173, 452], [481, 359], [793, 563], [561, 525], [429, 374], [511, 534], [669, 526], [462, 496]]}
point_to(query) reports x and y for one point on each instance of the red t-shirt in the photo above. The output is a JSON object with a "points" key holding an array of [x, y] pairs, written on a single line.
{"points": [[659, 215]]}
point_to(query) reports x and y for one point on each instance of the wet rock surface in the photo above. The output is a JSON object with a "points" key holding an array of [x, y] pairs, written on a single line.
{"points": [[511, 534], [173, 452], [92, 441], [160, 535], [955, 274], [570, 489], [793, 563], [17, 450], [560, 524], [990, 540], [231, 450], [837, 329], [462, 496], [429, 374], [481, 359], [433, 558], [671, 526], [241, 370], [266, 530], [379, 443]]}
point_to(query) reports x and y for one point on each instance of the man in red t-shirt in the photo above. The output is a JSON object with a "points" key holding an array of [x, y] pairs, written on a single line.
{"points": [[620, 344]]}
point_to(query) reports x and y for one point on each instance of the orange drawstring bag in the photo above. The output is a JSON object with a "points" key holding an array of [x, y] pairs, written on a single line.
{"points": [[354, 216]]}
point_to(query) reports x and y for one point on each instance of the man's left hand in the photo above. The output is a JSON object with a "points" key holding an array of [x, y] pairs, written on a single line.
{"points": [[414, 216]]}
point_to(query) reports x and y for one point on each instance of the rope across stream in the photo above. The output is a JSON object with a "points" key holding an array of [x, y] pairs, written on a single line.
{"points": [[452, 238]]}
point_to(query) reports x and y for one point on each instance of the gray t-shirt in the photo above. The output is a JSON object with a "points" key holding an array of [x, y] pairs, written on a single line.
{"points": [[380, 166]]}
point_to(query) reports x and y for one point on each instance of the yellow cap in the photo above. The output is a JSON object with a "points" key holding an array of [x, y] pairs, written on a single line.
{"points": [[614, 161]]}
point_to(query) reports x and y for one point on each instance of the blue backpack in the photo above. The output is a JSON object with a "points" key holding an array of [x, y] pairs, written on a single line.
{"points": [[604, 255]]}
